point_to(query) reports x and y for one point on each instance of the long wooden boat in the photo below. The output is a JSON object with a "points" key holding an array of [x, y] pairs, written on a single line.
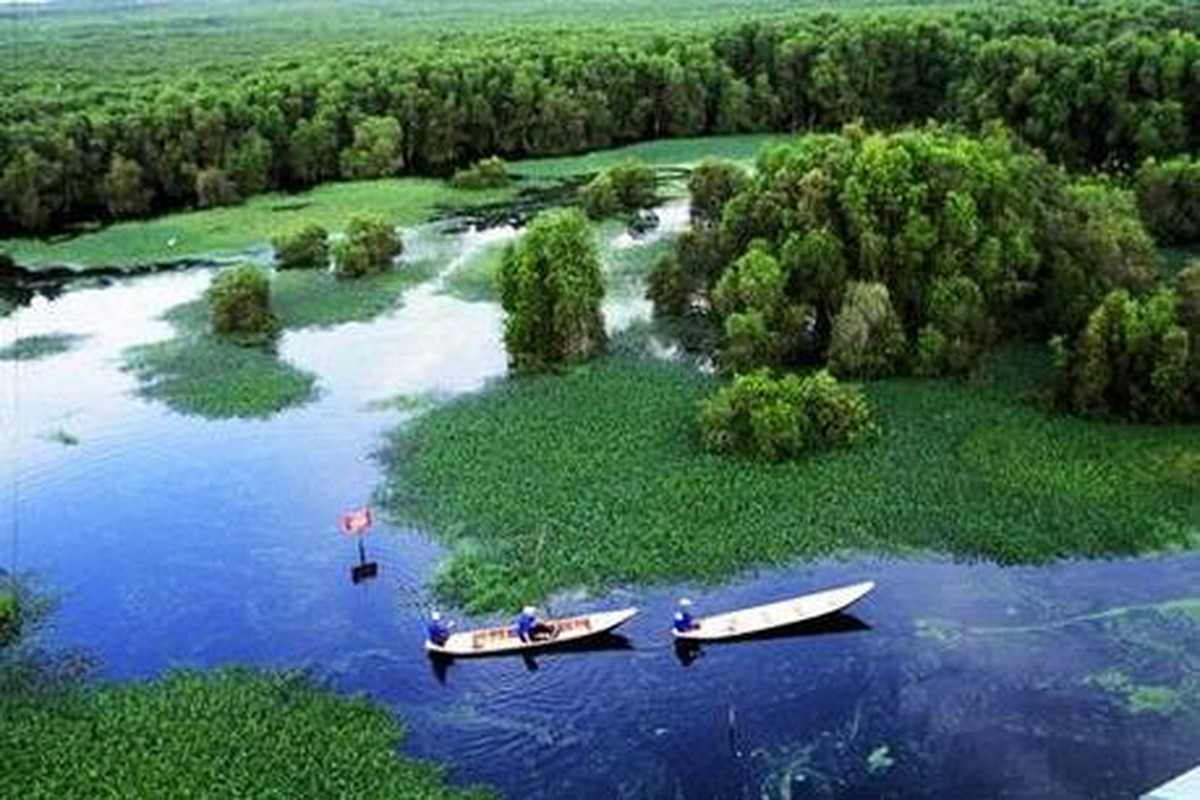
{"points": [[757, 619], [491, 641]]}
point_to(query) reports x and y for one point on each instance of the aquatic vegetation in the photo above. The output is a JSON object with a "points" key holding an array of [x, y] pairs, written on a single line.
{"points": [[250, 734], [198, 373], [315, 298], [597, 478], [30, 348]]}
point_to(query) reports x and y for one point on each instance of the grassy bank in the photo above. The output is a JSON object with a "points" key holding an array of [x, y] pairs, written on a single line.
{"points": [[596, 479], [237, 229], [223, 232], [30, 348], [227, 734]]}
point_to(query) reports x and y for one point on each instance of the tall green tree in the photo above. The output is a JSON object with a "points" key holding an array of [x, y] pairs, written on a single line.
{"points": [[551, 289]]}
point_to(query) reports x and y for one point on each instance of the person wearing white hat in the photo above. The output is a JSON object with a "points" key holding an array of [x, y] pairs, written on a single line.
{"points": [[438, 631], [683, 616], [530, 628]]}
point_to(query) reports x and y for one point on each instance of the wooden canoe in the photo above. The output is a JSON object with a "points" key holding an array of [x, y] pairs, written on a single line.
{"points": [[491, 641], [757, 619]]}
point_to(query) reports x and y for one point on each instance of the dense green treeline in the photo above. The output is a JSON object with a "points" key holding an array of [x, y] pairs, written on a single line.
{"points": [[1095, 85]]}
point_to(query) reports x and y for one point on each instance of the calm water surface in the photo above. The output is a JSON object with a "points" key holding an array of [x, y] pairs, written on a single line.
{"points": [[179, 542]]}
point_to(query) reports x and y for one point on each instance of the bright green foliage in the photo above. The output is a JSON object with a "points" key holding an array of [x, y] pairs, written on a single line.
{"points": [[231, 733], [307, 247], [867, 340], [212, 376], [487, 173], [551, 289], [239, 302], [599, 197], [1168, 195], [369, 246], [316, 110], [626, 495], [377, 150], [761, 326], [775, 419], [933, 216], [42, 345], [712, 184], [1133, 359], [626, 187], [1097, 243], [958, 330]]}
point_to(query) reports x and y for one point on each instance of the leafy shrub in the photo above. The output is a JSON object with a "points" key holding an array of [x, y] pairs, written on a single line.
{"points": [[551, 289], [712, 184], [306, 248], [369, 246], [1168, 196], [1133, 359], [627, 187], [775, 419], [215, 188], [1187, 286], [487, 173], [867, 339], [958, 330], [239, 301]]}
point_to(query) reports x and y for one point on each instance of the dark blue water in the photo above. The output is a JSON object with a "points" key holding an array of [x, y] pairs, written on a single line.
{"points": [[178, 542]]}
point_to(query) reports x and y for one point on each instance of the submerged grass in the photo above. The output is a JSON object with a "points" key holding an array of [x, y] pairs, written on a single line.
{"points": [[231, 733], [596, 478], [29, 348]]}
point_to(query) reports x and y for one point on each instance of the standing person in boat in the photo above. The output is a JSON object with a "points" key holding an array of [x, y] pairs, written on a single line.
{"points": [[684, 621], [530, 628], [438, 631]]}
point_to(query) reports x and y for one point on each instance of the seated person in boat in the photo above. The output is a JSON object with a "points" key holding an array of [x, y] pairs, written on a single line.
{"points": [[530, 628], [683, 617], [438, 631]]}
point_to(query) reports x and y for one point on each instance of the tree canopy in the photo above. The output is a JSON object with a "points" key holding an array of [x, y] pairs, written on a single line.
{"points": [[551, 289]]}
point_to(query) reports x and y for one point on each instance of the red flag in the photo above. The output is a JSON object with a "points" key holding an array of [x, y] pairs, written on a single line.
{"points": [[356, 523]]}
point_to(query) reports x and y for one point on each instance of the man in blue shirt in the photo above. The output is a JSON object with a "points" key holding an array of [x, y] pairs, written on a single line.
{"points": [[438, 631], [683, 617], [529, 628]]}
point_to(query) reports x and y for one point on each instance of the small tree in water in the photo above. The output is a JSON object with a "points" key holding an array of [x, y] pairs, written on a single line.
{"points": [[551, 290], [369, 246], [239, 302]]}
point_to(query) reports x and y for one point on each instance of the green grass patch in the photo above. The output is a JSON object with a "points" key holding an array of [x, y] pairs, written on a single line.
{"points": [[597, 479], [232, 733], [659, 153], [312, 298], [197, 373], [236, 229], [29, 348]]}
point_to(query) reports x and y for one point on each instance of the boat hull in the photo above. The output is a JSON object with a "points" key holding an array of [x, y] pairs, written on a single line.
{"points": [[504, 639], [748, 621]]}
